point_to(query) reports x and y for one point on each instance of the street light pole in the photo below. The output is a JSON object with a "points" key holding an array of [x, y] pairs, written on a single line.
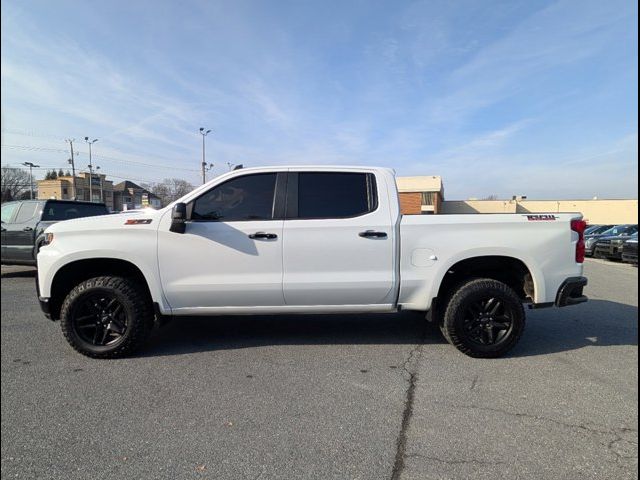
{"points": [[86, 139], [31, 166], [204, 163]]}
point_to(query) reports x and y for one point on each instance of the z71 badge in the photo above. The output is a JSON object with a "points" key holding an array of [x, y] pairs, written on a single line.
{"points": [[536, 218]]}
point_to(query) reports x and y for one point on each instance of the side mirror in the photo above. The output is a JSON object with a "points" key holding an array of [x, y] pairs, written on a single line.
{"points": [[178, 218]]}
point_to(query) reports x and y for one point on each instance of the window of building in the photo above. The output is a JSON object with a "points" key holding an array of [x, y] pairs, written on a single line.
{"points": [[335, 195], [65, 191], [249, 197], [429, 198], [27, 212]]}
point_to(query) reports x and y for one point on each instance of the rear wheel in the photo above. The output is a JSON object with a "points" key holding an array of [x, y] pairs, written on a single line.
{"points": [[484, 318], [106, 317]]}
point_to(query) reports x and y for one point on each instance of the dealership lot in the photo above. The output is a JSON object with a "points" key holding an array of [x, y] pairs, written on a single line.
{"points": [[366, 397]]}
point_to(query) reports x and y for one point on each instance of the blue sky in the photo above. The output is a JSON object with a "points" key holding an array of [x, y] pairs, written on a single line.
{"points": [[516, 97]]}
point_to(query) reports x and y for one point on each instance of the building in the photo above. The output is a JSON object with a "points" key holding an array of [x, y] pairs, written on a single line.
{"points": [[62, 188], [425, 195], [130, 196], [420, 195], [595, 211]]}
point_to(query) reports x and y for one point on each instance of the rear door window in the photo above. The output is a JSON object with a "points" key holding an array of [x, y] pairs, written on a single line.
{"points": [[27, 211], [335, 195], [8, 210]]}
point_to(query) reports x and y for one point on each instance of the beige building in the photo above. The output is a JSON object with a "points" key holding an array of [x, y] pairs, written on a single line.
{"points": [[595, 211], [425, 195], [420, 195], [62, 188]]}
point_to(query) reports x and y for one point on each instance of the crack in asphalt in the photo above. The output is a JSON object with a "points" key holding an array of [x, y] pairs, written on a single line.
{"points": [[457, 462], [409, 368], [615, 432]]}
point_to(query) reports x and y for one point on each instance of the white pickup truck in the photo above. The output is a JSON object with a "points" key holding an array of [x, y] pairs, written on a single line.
{"points": [[284, 240]]}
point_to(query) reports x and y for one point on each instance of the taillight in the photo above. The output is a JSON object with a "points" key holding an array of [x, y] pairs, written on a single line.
{"points": [[579, 226]]}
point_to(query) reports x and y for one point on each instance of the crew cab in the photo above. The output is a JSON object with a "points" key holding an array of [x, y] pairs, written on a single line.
{"points": [[24, 223], [284, 240]]}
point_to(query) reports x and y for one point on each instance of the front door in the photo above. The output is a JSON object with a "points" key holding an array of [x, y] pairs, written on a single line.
{"points": [[19, 234], [230, 255], [338, 241]]}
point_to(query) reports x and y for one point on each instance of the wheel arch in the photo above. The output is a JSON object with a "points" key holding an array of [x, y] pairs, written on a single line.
{"points": [[511, 270], [72, 273]]}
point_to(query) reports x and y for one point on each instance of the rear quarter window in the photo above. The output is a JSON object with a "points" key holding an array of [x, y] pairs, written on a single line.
{"points": [[67, 211]]}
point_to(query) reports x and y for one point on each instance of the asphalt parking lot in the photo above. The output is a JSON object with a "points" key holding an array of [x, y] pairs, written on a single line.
{"points": [[344, 397]]}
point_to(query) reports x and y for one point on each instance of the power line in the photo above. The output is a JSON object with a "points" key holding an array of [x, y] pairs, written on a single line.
{"points": [[99, 157]]}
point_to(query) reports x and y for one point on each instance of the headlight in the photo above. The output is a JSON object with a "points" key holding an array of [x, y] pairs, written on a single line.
{"points": [[590, 242], [48, 238]]}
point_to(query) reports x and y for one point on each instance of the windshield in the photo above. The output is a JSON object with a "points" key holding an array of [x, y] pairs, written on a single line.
{"points": [[622, 230]]}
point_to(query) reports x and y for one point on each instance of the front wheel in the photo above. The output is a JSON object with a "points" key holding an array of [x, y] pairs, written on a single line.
{"points": [[484, 318], [106, 317]]}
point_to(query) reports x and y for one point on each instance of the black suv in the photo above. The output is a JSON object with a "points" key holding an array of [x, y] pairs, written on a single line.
{"points": [[23, 225]]}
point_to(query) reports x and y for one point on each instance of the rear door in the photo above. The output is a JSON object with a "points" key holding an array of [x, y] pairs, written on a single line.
{"points": [[338, 247]]}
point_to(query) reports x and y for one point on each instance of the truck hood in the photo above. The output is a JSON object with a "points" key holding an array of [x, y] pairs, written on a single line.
{"points": [[108, 222]]}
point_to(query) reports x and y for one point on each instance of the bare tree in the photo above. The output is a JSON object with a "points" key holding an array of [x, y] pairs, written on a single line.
{"points": [[171, 189], [493, 196], [14, 183]]}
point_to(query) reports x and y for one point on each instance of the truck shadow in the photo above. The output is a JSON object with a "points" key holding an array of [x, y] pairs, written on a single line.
{"points": [[195, 334], [597, 323]]}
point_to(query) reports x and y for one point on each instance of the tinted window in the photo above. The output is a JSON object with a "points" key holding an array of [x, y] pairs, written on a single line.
{"points": [[67, 211], [335, 195], [244, 198], [7, 211], [27, 212]]}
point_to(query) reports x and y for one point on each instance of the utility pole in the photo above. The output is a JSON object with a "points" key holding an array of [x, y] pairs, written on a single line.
{"points": [[90, 183], [73, 169], [204, 163], [86, 139], [100, 176], [31, 166]]}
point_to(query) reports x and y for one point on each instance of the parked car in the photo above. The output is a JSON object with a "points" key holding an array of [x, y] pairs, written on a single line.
{"points": [[24, 222], [596, 229], [592, 239], [630, 250], [306, 240], [611, 247]]}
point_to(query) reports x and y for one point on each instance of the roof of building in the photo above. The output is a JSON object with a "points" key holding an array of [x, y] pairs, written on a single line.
{"points": [[430, 183], [128, 184]]}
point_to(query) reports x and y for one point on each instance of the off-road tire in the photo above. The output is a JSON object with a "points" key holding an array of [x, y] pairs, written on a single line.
{"points": [[453, 321], [137, 308]]}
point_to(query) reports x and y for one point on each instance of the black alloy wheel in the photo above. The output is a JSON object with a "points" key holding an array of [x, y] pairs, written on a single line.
{"points": [[107, 317], [488, 321], [483, 318], [100, 319]]}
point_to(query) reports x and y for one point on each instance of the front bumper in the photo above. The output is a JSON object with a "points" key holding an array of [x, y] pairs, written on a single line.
{"points": [[608, 251], [570, 292], [45, 306]]}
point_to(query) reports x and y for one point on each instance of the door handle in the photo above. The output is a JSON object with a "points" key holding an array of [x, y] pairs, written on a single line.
{"points": [[27, 229], [373, 234], [263, 236]]}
